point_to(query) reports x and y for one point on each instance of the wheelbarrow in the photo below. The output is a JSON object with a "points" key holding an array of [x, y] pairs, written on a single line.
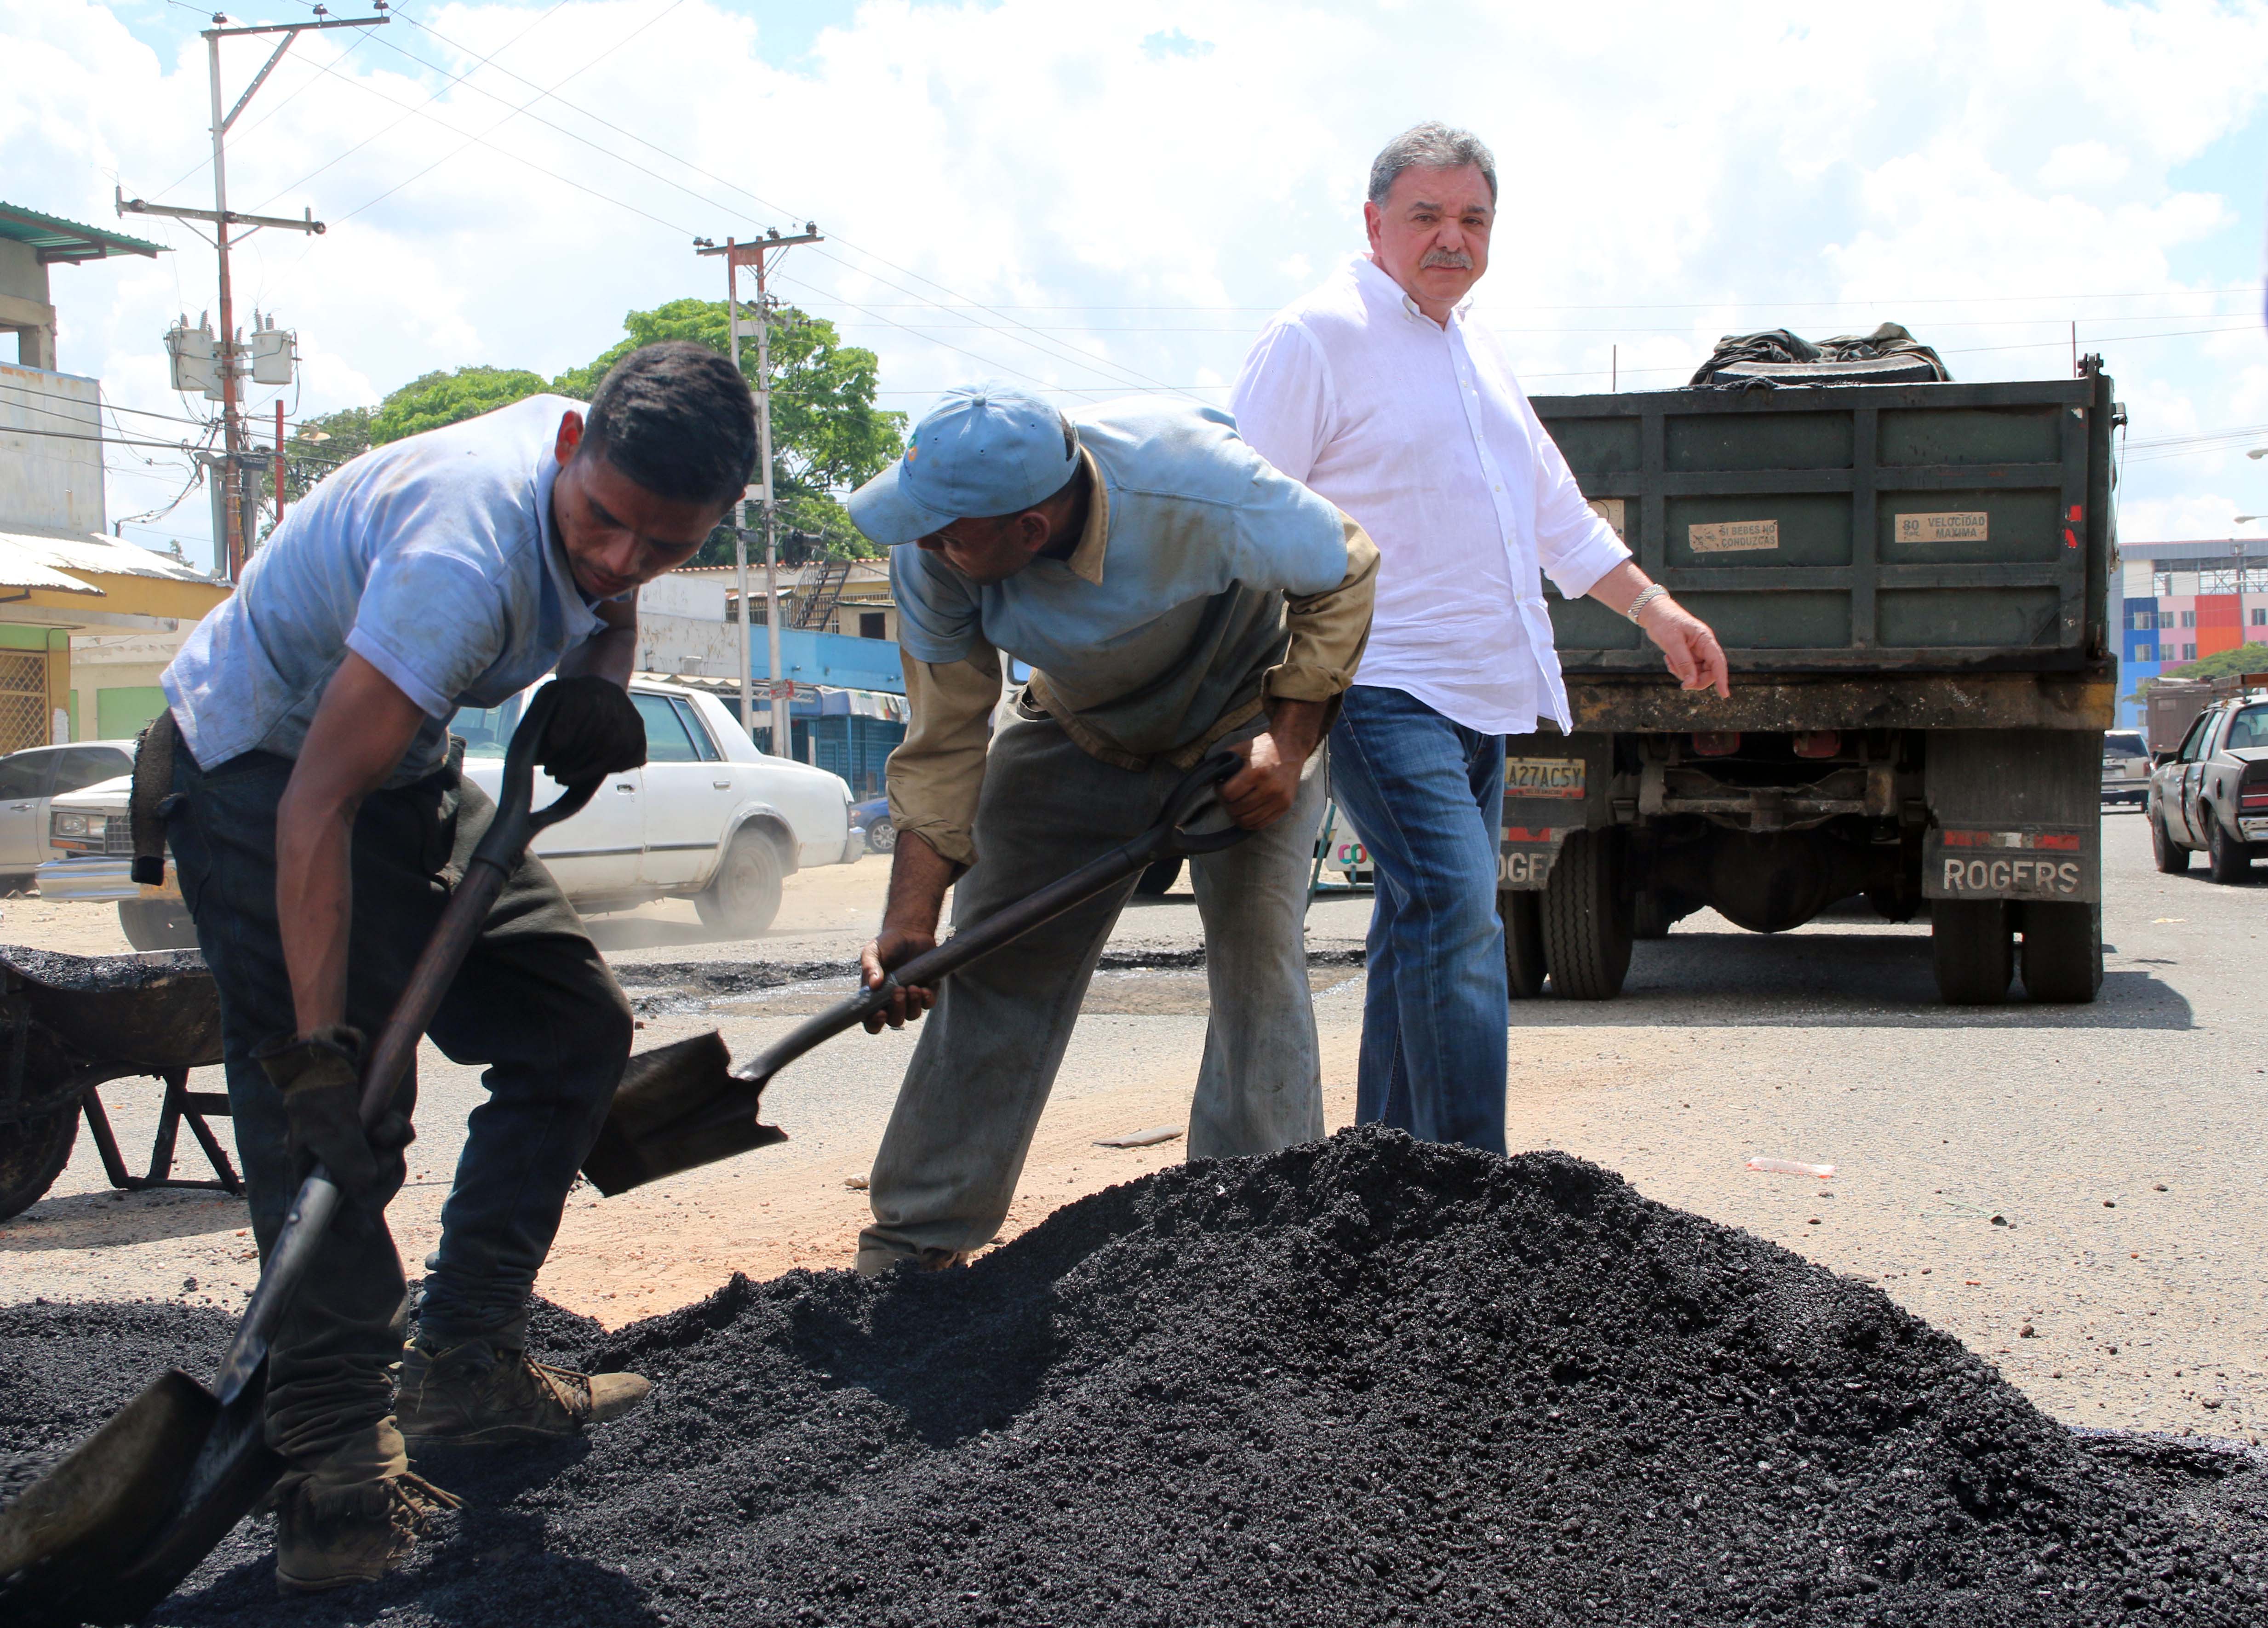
{"points": [[71, 1024]]}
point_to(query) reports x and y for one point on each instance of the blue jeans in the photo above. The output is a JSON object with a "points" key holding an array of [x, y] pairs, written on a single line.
{"points": [[1427, 797], [533, 1000]]}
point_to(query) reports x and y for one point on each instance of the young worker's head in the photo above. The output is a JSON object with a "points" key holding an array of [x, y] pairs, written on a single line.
{"points": [[990, 477], [648, 473], [1432, 205]]}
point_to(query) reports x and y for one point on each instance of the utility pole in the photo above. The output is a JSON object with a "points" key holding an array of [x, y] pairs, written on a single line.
{"points": [[755, 255], [235, 502]]}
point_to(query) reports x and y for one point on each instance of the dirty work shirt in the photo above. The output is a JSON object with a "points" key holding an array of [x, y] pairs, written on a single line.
{"points": [[433, 558], [1421, 432], [1203, 580]]}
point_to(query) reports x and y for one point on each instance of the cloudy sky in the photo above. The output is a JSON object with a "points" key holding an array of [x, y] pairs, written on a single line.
{"points": [[1106, 198]]}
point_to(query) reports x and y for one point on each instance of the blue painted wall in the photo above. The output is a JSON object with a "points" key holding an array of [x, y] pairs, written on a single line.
{"points": [[831, 658]]}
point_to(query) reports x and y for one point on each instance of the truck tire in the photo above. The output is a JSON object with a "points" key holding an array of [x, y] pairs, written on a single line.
{"points": [[32, 1154], [1587, 924], [2171, 857], [1156, 880], [1973, 947], [2225, 861], [157, 925], [1522, 909], [2063, 952], [745, 895]]}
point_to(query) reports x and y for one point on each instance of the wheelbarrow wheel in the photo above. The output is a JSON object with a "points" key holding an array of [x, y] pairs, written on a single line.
{"points": [[32, 1154]]}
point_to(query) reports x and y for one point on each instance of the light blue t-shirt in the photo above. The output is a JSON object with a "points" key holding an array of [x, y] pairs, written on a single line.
{"points": [[433, 558], [1175, 627]]}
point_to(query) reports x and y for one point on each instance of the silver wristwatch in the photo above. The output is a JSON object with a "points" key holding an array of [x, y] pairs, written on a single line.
{"points": [[1651, 592]]}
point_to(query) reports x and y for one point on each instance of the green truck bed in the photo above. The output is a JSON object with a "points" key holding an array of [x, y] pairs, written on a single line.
{"points": [[1856, 529]]}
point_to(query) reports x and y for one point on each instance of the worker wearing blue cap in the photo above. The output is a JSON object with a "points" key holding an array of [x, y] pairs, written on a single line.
{"points": [[1172, 593]]}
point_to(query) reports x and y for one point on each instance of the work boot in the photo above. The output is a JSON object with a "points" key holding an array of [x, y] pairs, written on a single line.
{"points": [[476, 1394], [875, 1259], [330, 1534]]}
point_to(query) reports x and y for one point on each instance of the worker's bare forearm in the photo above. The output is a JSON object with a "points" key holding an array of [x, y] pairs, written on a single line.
{"points": [[315, 900], [919, 877], [358, 734], [609, 653], [1297, 725]]}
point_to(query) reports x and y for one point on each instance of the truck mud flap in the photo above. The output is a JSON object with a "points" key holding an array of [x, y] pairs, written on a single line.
{"points": [[1525, 858], [2032, 863], [1554, 785]]}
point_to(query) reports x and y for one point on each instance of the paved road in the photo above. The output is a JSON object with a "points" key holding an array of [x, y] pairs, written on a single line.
{"points": [[2117, 1143]]}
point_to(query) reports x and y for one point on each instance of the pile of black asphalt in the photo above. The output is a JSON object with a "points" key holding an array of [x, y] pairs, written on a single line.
{"points": [[1365, 1381]]}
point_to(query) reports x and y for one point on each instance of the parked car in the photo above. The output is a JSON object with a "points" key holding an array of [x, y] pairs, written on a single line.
{"points": [[2211, 791], [90, 833], [709, 818], [2125, 767], [872, 819], [29, 780]]}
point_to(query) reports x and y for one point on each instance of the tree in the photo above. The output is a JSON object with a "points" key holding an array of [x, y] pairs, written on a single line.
{"points": [[320, 444], [433, 400], [2222, 664], [827, 435]]}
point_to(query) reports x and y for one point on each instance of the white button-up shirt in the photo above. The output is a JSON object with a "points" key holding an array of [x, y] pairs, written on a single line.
{"points": [[1423, 436]]}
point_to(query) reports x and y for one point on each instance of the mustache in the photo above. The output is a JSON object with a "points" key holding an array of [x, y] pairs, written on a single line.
{"points": [[1459, 261]]}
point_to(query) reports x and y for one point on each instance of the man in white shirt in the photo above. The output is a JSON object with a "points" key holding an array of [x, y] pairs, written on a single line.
{"points": [[1377, 391]]}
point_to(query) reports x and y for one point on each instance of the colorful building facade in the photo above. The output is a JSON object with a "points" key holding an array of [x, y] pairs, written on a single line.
{"points": [[2184, 602]]}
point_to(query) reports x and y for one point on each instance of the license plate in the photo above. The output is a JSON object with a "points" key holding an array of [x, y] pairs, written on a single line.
{"points": [[1543, 776]]}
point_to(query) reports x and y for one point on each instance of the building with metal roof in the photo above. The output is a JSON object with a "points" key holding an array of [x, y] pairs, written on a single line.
{"points": [[86, 621], [30, 242]]}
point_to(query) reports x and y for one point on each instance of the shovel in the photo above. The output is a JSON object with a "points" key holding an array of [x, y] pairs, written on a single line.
{"points": [[683, 1106], [114, 1527]]}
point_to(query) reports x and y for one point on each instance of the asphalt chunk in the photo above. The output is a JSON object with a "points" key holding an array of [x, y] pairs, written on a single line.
{"points": [[1361, 1382]]}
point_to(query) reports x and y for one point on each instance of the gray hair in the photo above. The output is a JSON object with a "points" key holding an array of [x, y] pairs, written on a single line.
{"points": [[1431, 145]]}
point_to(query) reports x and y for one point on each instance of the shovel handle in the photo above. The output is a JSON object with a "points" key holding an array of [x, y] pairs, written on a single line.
{"points": [[317, 1201], [1166, 839]]}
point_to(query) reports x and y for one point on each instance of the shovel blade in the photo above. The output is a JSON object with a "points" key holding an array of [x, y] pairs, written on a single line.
{"points": [[679, 1106], [117, 1523]]}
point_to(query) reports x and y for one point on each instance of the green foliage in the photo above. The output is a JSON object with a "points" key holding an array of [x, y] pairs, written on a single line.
{"points": [[2221, 664], [320, 444], [437, 399], [827, 435]]}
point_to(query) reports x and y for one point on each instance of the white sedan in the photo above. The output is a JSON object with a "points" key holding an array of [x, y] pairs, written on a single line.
{"points": [[708, 818]]}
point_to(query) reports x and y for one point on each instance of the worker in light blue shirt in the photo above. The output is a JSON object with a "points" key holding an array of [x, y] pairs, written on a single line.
{"points": [[1173, 593], [317, 818]]}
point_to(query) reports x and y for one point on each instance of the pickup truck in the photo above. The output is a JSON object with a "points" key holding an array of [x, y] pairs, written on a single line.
{"points": [[2211, 791], [708, 818]]}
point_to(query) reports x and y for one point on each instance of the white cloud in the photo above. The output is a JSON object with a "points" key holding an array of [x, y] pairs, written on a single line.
{"points": [[1134, 187]]}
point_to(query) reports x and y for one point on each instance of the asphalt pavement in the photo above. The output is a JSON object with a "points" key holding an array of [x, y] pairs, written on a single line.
{"points": [[2087, 1174]]}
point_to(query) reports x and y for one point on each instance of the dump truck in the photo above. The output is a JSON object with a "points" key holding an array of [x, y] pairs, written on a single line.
{"points": [[1912, 583]]}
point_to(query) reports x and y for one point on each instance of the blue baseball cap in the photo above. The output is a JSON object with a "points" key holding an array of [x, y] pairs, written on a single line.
{"points": [[984, 450]]}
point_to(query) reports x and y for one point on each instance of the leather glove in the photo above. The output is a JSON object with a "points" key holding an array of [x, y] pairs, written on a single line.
{"points": [[321, 1078], [594, 730]]}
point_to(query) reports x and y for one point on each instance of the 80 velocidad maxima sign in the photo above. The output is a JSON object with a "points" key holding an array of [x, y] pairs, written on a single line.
{"points": [[2031, 864]]}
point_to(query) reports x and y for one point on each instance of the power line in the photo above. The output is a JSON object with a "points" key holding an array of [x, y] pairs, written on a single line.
{"points": [[405, 117], [503, 152], [1092, 358]]}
